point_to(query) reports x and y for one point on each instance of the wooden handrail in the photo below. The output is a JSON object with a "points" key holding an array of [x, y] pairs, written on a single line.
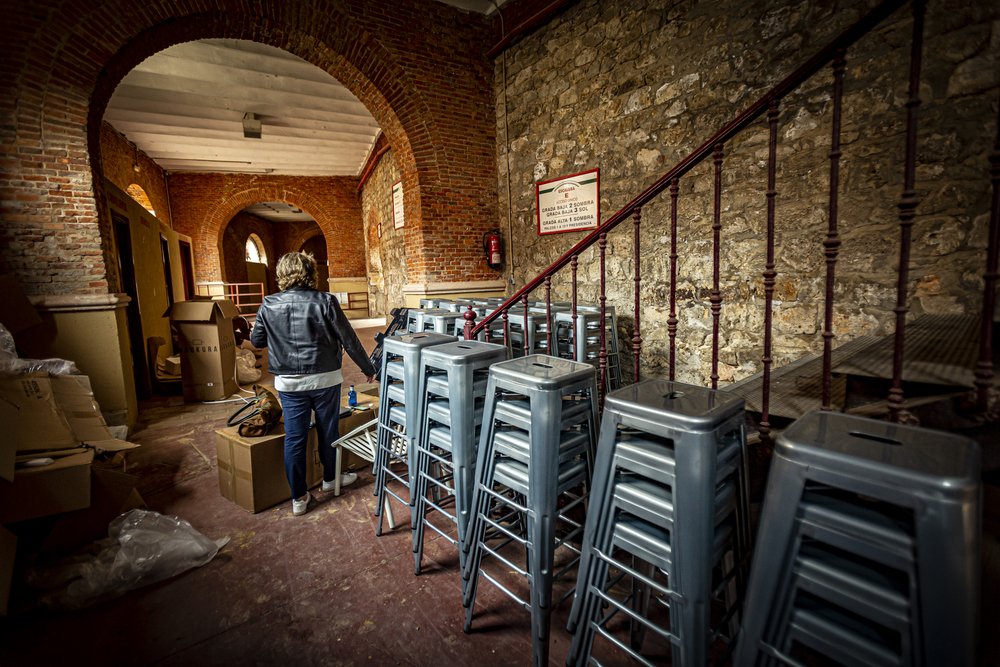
{"points": [[790, 83]]}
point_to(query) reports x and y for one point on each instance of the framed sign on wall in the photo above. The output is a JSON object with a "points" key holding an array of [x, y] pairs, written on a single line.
{"points": [[397, 205], [569, 203]]}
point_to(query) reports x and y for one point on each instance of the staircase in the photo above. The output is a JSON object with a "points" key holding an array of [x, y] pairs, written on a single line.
{"points": [[710, 157]]}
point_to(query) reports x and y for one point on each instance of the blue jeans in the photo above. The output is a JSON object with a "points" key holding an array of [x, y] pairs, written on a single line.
{"points": [[297, 407]]}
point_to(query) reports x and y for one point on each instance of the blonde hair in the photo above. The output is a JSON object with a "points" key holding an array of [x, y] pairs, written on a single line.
{"points": [[296, 269]]}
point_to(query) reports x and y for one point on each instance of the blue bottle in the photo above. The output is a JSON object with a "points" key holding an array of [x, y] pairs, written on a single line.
{"points": [[352, 397]]}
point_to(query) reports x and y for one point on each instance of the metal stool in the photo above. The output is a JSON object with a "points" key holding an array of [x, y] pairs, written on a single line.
{"points": [[870, 546], [453, 410], [444, 322], [679, 502], [398, 411], [537, 441]]}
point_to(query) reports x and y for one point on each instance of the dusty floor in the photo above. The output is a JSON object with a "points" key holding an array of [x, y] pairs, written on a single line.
{"points": [[319, 589]]}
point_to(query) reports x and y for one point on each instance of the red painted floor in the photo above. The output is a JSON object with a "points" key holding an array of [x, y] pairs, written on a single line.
{"points": [[320, 589]]}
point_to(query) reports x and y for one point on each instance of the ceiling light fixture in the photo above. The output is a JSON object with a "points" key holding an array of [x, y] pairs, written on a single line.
{"points": [[251, 126]]}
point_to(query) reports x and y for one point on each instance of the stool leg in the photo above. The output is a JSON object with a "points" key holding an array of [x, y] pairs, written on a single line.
{"points": [[948, 557], [641, 596], [785, 483], [543, 497]]}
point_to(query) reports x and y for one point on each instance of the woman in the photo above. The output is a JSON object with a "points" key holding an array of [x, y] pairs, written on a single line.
{"points": [[304, 330]]}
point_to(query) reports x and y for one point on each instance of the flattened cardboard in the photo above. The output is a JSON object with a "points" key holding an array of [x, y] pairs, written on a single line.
{"points": [[207, 348], [11, 420], [61, 487], [16, 311], [44, 426], [8, 550], [252, 470], [110, 491], [74, 396]]}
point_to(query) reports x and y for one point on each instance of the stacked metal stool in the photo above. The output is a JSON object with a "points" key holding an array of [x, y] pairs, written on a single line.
{"points": [[416, 318], [398, 413], [670, 491], [869, 547], [453, 390], [612, 345], [536, 444], [444, 322]]}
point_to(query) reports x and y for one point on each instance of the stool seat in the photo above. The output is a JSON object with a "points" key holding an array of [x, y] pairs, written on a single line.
{"points": [[515, 445], [689, 407], [517, 412], [542, 372]]}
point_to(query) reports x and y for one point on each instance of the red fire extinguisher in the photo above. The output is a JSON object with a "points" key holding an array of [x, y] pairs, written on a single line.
{"points": [[491, 244]]}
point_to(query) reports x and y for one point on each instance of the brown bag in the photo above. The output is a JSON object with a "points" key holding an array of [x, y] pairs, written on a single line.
{"points": [[266, 413]]}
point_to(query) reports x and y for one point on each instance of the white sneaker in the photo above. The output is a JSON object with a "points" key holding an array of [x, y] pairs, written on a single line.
{"points": [[346, 479], [300, 507]]}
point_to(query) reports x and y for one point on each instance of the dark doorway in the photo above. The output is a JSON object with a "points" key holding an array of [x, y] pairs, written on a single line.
{"points": [[167, 275], [187, 268], [125, 265]]}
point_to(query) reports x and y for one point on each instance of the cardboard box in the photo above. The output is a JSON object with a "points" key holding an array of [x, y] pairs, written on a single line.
{"points": [[252, 470], [110, 495], [8, 550], [172, 365], [63, 486], [44, 426], [208, 347]]}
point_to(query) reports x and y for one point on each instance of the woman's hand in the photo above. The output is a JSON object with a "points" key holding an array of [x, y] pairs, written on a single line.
{"points": [[371, 378]]}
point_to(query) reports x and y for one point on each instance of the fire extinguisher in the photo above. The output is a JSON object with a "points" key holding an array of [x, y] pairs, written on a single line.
{"points": [[491, 244]]}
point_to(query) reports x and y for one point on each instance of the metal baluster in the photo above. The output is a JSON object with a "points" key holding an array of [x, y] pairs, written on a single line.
{"points": [[636, 338], [470, 322], [716, 297], [603, 356], [907, 211], [984, 368], [572, 267], [549, 338], [524, 324], [672, 320], [832, 242], [773, 111], [506, 329]]}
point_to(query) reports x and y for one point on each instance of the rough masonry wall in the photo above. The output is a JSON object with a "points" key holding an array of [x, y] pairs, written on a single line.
{"points": [[386, 256], [418, 67], [203, 205], [633, 87], [118, 157]]}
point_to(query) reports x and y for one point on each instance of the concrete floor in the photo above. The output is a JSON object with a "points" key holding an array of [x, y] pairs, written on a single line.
{"points": [[320, 589]]}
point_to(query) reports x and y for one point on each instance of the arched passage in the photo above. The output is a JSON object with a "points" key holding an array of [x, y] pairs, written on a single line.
{"points": [[59, 75]]}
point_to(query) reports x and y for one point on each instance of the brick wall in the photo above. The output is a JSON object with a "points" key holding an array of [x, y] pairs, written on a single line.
{"points": [[417, 66], [203, 205], [234, 248], [118, 155], [387, 251]]}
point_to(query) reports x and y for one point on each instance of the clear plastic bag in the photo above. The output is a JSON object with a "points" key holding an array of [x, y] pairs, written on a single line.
{"points": [[11, 364], [142, 548]]}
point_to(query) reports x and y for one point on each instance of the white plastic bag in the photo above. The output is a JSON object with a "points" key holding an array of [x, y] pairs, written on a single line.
{"points": [[245, 363], [142, 548], [11, 364]]}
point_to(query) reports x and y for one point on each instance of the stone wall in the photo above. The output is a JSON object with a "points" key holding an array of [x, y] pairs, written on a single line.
{"points": [[633, 87], [386, 254]]}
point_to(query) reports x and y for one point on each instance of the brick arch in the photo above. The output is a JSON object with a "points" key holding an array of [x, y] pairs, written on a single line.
{"points": [[419, 67], [372, 74], [208, 239], [304, 238]]}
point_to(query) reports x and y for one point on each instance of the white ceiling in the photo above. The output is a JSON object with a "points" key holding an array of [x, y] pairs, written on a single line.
{"points": [[184, 108], [274, 211]]}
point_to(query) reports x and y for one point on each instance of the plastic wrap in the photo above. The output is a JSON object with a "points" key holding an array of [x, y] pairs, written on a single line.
{"points": [[142, 548], [246, 373], [11, 364]]}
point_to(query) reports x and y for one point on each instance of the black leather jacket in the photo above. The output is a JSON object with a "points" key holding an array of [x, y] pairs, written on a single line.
{"points": [[303, 330]]}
